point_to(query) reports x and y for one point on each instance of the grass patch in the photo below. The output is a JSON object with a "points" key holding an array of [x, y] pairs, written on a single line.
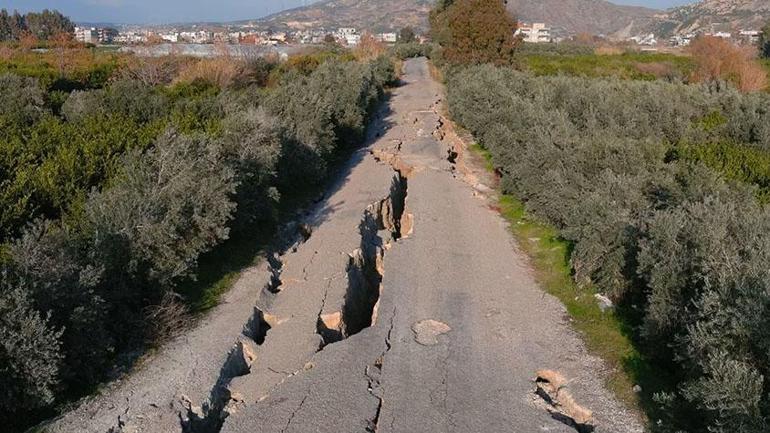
{"points": [[219, 269], [742, 163], [609, 334], [633, 66]]}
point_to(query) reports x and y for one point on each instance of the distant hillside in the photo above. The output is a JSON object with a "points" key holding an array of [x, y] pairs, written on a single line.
{"points": [[373, 15], [714, 15], [593, 16], [590, 16]]}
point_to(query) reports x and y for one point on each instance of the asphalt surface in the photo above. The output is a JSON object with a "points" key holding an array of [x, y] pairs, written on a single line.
{"points": [[408, 309]]}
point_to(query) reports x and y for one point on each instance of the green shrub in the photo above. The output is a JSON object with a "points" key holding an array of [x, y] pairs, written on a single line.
{"points": [[410, 50], [251, 144], [170, 204], [29, 353], [630, 66], [554, 49], [22, 99]]}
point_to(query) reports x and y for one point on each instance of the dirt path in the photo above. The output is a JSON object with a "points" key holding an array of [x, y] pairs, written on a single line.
{"points": [[408, 309]]}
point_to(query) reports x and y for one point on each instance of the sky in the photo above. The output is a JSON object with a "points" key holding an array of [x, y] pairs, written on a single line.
{"points": [[167, 11]]}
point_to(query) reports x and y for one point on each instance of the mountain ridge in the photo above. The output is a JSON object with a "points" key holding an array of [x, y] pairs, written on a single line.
{"points": [[567, 16], [713, 16], [575, 16]]}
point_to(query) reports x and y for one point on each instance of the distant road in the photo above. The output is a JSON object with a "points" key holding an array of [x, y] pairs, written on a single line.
{"points": [[211, 50]]}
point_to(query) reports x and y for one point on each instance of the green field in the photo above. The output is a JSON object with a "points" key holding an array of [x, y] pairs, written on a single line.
{"points": [[637, 66]]}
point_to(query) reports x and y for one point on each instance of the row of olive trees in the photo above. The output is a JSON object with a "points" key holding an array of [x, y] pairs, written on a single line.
{"points": [[79, 283], [688, 252]]}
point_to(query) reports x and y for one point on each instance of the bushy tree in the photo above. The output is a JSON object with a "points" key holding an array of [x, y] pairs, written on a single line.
{"points": [[169, 204], [251, 145], [47, 24], [65, 286], [323, 113], [140, 102], [21, 99], [764, 42], [719, 59], [475, 32], [407, 36], [29, 353], [42, 25], [706, 268]]}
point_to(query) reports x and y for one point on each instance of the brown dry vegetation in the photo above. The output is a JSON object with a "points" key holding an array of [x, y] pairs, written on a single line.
{"points": [[609, 50], [656, 69], [154, 71], [220, 71], [718, 59], [369, 48]]}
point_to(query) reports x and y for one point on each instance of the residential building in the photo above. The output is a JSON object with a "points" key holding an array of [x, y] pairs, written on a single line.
{"points": [[750, 36], [346, 31], [535, 33], [86, 35], [352, 39], [723, 35], [170, 37], [648, 40], [389, 38], [682, 40], [106, 35]]}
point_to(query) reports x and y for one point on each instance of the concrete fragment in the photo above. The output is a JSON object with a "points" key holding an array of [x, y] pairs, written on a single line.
{"points": [[427, 331], [551, 386], [605, 303]]}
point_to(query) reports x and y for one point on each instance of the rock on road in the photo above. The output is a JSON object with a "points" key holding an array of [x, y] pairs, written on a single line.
{"points": [[408, 309]]}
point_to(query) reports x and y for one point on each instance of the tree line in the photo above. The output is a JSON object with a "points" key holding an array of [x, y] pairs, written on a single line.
{"points": [[113, 190], [41, 25]]}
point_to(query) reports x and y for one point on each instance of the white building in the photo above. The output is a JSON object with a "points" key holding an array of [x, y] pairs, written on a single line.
{"points": [[170, 37], [279, 37], [535, 33], [646, 40], [199, 37], [352, 39], [723, 35], [682, 40], [349, 35], [131, 38], [346, 31], [389, 38], [87, 35], [751, 36]]}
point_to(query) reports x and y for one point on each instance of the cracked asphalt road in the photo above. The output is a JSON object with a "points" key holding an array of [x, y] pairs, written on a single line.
{"points": [[457, 333], [462, 326]]}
